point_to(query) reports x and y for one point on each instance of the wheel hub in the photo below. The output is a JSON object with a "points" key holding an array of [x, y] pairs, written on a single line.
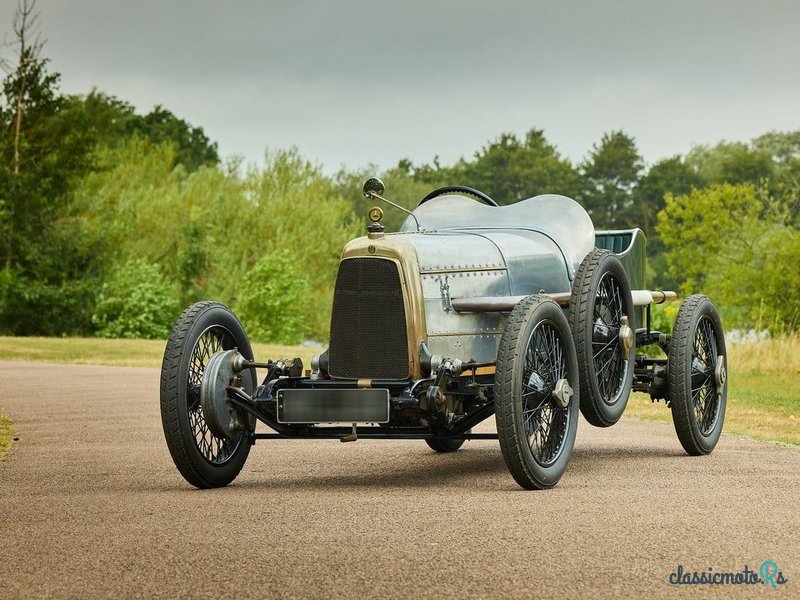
{"points": [[223, 418], [603, 333], [563, 393], [626, 335], [720, 374], [700, 373]]}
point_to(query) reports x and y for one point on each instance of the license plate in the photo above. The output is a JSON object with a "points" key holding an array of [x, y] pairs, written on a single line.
{"points": [[333, 406]]}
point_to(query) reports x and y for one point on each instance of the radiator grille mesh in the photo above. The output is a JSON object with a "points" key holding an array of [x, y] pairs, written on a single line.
{"points": [[368, 323]]}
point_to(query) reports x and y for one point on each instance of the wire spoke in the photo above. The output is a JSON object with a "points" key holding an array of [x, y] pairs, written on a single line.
{"points": [[703, 390], [545, 424], [609, 361], [214, 449]]}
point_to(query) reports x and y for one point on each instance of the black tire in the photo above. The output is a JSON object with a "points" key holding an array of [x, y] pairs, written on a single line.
{"points": [[536, 351], [444, 445], [601, 296], [696, 348], [203, 459]]}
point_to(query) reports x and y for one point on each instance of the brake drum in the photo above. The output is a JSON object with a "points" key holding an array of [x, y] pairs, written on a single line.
{"points": [[223, 418]]}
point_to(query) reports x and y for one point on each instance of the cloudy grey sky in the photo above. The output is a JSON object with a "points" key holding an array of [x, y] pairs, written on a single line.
{"points": [[359, 81]]}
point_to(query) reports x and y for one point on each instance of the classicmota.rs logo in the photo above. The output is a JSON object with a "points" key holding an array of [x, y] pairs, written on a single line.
{"points": [[767, 574]]}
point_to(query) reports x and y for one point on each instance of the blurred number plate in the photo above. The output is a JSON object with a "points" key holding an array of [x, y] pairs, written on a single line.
{"points": [[333, 406]]}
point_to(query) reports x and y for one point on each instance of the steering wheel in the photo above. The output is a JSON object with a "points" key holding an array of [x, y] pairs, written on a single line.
{"points": [[461, 189]]}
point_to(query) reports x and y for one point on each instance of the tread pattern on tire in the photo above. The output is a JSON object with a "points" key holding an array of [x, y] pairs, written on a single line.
{"points": [[169, 386], [508, 354], [679, 368], [579, 304]]}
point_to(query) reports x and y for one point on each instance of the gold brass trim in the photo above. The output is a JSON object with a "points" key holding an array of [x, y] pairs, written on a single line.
{"points": [[404, 255], [375, 214], [364, 383]]}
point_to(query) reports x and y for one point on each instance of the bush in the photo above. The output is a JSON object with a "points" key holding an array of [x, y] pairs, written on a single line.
{"points": [[207, 229], [662, 316], [274, 300], [31, 306], [136, 302], [736, 245]]}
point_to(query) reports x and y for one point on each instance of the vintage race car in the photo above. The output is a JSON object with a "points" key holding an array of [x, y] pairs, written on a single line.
{"points": [[471, 309]]}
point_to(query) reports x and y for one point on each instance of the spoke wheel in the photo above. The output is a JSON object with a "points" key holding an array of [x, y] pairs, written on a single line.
{"points": [[697, 375], [601, 317], [203, 458], [536, 370]]}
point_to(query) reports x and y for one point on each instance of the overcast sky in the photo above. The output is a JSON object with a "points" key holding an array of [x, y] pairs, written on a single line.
{"points": [[364, 81]]}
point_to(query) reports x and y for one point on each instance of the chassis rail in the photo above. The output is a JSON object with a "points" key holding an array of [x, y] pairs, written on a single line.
{"points": [[460, 429], [332, 433]]}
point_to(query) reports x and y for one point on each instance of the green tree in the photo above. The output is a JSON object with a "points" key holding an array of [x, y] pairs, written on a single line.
{"points": [[273, 299], [108, 119], [53, 151], [733, 243], [668, 176], [511, 169], [194, 149], [43, 150], [432, 174], [207, 229], [782, 146], [192, 259], [292, 205], [731, 162], [784, 150], [112, 121], [694, 228], [609, 176]]}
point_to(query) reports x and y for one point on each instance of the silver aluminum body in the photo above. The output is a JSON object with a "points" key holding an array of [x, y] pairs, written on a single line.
{"points": [[467, 249]]}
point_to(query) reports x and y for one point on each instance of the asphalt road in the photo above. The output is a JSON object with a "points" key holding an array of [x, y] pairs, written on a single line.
{"points": [[91, 505]]}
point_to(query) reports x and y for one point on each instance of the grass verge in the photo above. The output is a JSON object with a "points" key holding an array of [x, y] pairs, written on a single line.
{"points": [[119, 353], [6, 435]]}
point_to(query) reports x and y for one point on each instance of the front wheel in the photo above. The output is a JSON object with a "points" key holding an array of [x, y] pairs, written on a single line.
{"points": [[536, 393], [203, 458], [697, 375]]}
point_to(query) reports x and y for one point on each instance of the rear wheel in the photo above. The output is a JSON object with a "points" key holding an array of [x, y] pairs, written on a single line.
{"points": [[697, 375], [536, 393], [203, 458], [602, 321]]}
